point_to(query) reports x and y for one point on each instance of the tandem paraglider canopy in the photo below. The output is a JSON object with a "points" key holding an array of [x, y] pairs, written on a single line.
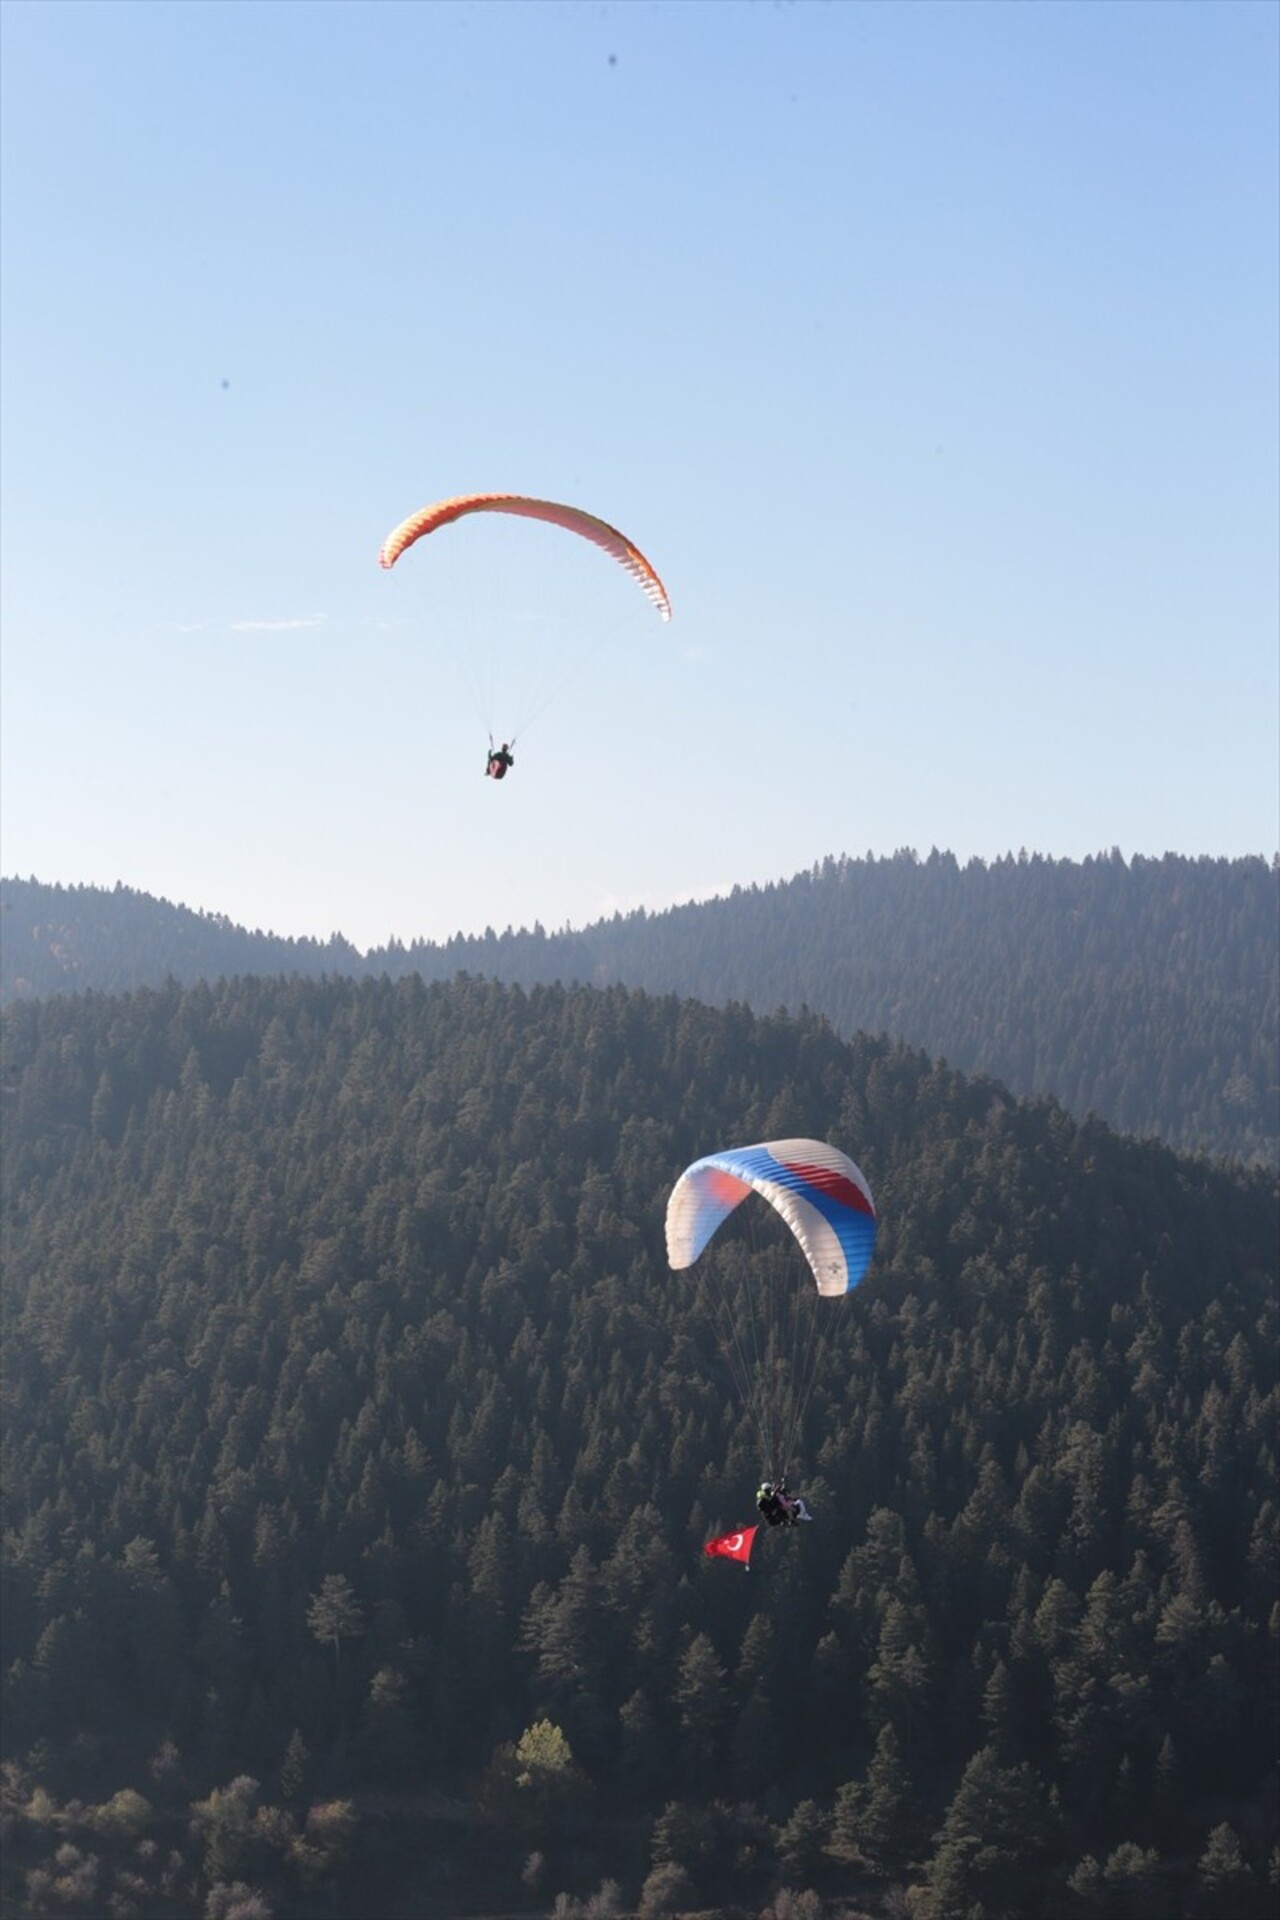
{"points": [[771, 1298]]}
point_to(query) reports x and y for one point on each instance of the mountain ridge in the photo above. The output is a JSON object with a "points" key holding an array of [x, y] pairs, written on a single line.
{"points": [[1146, 991]]}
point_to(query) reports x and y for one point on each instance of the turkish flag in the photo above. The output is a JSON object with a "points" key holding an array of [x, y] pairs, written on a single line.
{"points": [[733, 1546]]}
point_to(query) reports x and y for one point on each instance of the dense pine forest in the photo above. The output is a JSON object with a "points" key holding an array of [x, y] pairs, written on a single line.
{"points": [[360, 1448], [1146, 991]]}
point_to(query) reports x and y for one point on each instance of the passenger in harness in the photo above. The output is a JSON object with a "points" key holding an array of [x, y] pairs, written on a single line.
{"points": [[777, 1507]]}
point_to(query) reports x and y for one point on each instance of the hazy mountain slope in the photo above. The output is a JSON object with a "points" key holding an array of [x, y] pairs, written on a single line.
{"points": [[56, 939], [1148, 991]]}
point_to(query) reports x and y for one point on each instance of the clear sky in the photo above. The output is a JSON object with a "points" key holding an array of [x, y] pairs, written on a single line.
{"points": [[929, 352]]}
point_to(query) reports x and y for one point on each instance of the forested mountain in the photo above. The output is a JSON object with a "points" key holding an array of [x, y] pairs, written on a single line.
{"points": [[60, 939], [360, 1448], [1147, 991]]}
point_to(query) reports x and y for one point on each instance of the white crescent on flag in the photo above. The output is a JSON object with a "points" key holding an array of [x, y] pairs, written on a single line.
{"points": [[733, 1546]]}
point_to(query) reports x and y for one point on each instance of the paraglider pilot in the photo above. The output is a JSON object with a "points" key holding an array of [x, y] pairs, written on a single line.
{"points": [[778, 1508], [500, 758]]}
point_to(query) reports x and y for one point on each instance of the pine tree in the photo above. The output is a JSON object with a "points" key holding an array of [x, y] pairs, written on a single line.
{"points": [[702, 1699], [801, 1841], [995, 1833], [335, 1615], [887, 1817], [1226, 1886]]}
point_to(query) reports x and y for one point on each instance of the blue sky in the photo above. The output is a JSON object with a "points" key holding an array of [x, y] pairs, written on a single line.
{"points": [[928, 351]]}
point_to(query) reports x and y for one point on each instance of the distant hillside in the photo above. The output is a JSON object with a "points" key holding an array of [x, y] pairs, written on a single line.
{"points": [[109, 939], [1144, 991]]}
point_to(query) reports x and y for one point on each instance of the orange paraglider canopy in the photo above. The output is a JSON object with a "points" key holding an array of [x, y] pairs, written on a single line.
{"points": [[572, 519]]}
